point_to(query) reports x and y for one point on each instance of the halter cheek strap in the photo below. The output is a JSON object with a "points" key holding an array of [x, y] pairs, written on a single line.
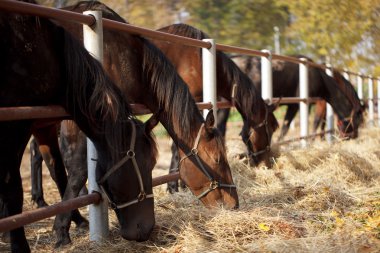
{"points": [[264, 123], [213, 183], [129, 156]]}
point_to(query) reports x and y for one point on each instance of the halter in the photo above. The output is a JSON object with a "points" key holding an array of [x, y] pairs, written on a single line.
{"points": [[213, 183], [264, 123], [130, 155]]}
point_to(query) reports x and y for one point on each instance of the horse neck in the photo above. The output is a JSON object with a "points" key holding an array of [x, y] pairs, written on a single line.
{"points": [[335, 97], [247, 99]]}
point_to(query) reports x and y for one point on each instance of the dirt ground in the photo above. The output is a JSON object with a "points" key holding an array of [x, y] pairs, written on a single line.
{"points": [[298, 206]]}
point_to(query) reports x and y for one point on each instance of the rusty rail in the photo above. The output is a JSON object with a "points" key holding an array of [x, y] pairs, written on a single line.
{"points": [[22, 219]]}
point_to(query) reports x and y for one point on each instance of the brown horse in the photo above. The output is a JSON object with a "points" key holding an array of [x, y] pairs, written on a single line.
{"points": [[285, 84], [258, 117], [320, 106], [42, 64], [145, 76]]}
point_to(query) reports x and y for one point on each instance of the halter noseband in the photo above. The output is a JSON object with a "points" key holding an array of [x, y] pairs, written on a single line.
{"points": [[213, 183], [263, 123], [129, 156]]}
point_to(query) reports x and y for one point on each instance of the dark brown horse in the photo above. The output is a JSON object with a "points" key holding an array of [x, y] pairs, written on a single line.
{"points": [[41, 64], [258, 117], [320, 106], [285, 84], [145, 76]]}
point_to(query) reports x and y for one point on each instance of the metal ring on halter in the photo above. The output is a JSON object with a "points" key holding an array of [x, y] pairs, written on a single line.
{"points": [[131, 153]]}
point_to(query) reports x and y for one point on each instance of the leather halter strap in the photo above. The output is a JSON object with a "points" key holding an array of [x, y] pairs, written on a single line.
{"points": [[129, 156], [213, 183], [262, 124]]}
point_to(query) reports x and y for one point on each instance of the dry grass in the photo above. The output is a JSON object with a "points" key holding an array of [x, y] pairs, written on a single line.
{"points": [[325, 198]]}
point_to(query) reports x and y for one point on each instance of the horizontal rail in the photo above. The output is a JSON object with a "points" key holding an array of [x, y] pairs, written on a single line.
{"points": [[22, 219], [46, 12], [165, 179], [58, 112], [118, 26]]}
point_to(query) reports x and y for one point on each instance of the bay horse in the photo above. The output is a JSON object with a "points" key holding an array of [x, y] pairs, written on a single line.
{"points": [[348, 88], [41, 64], [145, 76], [260, 122], [286, 84]]}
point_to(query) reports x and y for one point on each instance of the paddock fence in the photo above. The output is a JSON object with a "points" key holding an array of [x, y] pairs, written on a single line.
{"points": [[209, 98]]}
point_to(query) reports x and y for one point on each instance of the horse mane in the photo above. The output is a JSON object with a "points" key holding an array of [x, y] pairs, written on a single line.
{"points": [[98, 6], [93, 93], [348, 90], [247, 97]]}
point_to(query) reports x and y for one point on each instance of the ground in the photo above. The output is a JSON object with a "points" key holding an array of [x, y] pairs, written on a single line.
{"points": [[324, 198]]}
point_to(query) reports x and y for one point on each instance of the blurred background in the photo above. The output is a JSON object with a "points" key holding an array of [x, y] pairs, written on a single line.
{"points": [[345, 33]]}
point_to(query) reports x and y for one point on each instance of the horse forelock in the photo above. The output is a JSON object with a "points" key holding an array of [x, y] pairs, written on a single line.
{"points": [[185, 30], [97, 6]]}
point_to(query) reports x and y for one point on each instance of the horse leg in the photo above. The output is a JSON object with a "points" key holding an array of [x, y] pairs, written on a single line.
{"points": [[174, 163], [12, 144], [319, 118], [222, 117], [74, 152], [291, 111], [36, 174]]}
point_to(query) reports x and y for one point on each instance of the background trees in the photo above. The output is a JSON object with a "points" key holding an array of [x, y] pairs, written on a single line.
{"points": [[345, 32]]}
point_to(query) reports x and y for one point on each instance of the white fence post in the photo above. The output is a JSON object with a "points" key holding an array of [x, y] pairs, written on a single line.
{"points": [[329, 112], [346, 75], [209, 76], [360, 86], [304, 105], [98, 214], [266, 77], [371, 112]]}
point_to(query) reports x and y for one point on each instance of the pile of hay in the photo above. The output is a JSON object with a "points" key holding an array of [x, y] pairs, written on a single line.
{"points": [[325, 198]]}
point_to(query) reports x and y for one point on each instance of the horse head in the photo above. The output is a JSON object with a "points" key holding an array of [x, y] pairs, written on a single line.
{"points": [[205, 169]]}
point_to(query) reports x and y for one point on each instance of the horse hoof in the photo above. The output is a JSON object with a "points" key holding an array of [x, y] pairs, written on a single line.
{"points": [[6, 237], [84, 225], [41, 204], [62, 243]]}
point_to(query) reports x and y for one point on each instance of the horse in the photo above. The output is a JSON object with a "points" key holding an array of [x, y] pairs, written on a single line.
{"points": [[320, 106], [232, 84], [285, 84], [145, 76], [41, 64]]}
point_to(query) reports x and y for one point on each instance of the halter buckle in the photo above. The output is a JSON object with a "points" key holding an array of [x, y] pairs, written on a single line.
{"points": [[141, 196], [194, 151], [213, 185]]}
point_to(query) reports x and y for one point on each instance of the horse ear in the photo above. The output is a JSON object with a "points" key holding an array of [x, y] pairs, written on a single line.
{"points": [[151, 122], [210, 121]]}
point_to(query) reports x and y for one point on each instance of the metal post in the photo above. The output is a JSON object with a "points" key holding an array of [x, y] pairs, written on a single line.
{"points": [[346, 75], [304, 105], [98, 214], [360, 86], [209, 76], [266, 77], [371, 112], [329, 112], [277, 49]]}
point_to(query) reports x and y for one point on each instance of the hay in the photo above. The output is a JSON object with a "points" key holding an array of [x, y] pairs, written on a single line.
{"points": [[325, 198]]}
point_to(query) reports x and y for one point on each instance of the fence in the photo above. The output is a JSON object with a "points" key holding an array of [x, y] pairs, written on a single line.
{"points": [[209, 98]]}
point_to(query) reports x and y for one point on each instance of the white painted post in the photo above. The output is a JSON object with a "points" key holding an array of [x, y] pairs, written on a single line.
{"points": [[304, 105], [329, 112], [266, 77], [360, 86], [378, 102], [209, 76], [98, 214], [346, 75], [371, 111]]}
